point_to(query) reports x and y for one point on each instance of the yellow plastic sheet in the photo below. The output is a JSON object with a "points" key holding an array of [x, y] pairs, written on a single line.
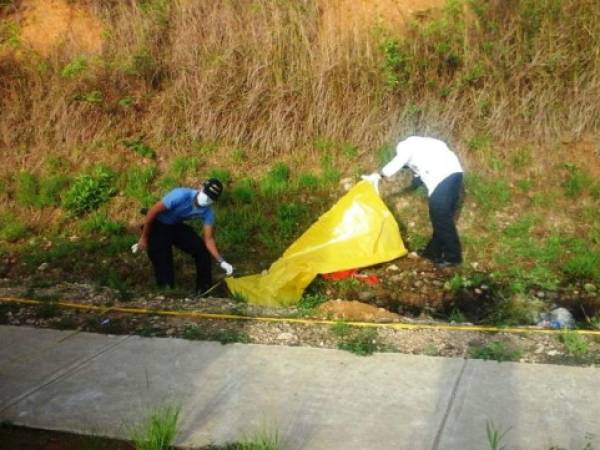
{"points": [[358, 231]]}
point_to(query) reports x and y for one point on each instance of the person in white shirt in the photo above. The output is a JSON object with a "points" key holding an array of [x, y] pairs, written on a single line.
{"points": [[436, 166]]}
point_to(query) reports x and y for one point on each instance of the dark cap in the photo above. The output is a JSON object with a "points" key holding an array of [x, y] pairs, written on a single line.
{"points": [[212, 188]]}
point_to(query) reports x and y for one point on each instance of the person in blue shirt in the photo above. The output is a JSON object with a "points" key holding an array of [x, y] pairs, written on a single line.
{"points": [[164, 228]]}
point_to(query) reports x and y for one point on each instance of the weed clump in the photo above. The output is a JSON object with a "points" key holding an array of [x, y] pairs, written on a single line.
{"points": [[159, 430], [11, 229], [90, 191], [496, 350]]}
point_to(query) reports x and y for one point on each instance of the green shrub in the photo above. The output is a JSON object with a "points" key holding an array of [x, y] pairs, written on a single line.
{"points": [[276, 180], [90, 191], [311, 301], [583, 261], [94, 97]]}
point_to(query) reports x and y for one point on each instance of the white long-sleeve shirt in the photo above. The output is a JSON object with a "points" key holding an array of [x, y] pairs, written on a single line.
{"points": [[429, 158]]}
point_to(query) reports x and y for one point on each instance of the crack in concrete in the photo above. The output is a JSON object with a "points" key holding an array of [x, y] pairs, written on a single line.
{"points": [[438, 435], [62, 373]]}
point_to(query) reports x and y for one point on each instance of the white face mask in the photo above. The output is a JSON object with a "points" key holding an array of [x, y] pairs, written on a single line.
{"points": [[203, 199]]}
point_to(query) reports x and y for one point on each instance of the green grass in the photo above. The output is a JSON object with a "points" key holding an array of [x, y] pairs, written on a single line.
{"points": [[243, 191], [223, 175], [158, 431], [361, 342], [183, 166], [98, 223], [310, 301], [75, 67], [489, 194], [263, 440], [11, 229], [138, 184], [576, 345], [224, 336], [494, 436], [495, 350], [276, 180]]}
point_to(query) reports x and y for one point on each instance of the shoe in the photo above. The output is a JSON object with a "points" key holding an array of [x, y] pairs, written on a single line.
{"points": [[443, 264]]}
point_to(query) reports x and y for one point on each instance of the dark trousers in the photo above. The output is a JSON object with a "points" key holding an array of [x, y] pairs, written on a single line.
{"points": [[443, 205], [160, 250]]}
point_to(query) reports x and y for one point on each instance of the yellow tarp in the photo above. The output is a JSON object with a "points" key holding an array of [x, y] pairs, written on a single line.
{"points": [[358, 231]]}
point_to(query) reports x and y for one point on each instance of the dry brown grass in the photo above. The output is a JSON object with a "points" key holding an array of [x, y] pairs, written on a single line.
{"points": [[264, 76]]}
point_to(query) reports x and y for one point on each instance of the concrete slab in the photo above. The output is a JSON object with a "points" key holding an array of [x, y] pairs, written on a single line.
{"points": [[30, 358], [541, 406], [315, 399]]}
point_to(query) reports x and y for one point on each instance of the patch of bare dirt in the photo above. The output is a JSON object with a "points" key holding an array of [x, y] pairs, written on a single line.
{"points": [[356, 16], [357, 311], [46, 24]]}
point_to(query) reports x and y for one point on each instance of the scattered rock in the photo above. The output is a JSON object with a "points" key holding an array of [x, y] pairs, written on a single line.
{"points": [[42, 267], [589, 287], [285, 336], [171, 331], [413, 255], [553, 353], [392, 268], [365, 296]]}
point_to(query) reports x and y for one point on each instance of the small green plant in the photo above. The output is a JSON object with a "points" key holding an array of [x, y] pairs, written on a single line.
{"points": [[311, 301], [276, 180], [94, 97], [494, 436], [112, 279], [362, 342], [495, 350], [126, 101], [456, 316], [290, 216], [138, 146], [159, 430], [76, 67], [263, 440], [341, 329], [576, 345]]}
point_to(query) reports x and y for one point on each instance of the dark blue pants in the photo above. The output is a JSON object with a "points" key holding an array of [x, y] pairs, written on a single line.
{"points": [[160, 250], [443, 205]]}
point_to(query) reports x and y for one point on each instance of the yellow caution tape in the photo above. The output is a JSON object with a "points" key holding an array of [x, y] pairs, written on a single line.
{"points": [[201, 315]]}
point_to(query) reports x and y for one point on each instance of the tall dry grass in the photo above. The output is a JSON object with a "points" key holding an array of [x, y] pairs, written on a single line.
{"points": [[262, 75]]}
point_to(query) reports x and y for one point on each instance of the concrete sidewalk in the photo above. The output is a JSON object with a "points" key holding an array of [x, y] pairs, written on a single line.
{"points": [[314, 398]]}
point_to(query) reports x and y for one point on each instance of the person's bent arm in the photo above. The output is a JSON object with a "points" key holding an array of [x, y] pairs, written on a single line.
{"points": [[211, 244], [159, 207]]}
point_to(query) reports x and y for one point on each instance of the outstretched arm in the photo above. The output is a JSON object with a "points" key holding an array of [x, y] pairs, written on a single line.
{"points": [[158, 208], [211, 245]]}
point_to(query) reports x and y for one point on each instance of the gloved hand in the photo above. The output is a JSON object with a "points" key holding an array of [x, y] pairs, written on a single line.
{"points": [[228, 268], [374, 179]]}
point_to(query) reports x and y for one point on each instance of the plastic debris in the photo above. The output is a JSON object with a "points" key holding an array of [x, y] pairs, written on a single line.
{"points": [[557, 318]]}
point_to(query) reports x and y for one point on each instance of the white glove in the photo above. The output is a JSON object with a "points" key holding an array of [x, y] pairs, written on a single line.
{"points": [[228, 268], [134, 248], [374, 179]]}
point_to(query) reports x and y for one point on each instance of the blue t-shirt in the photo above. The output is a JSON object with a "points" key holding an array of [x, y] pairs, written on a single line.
{"points": [[180, 206]]}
